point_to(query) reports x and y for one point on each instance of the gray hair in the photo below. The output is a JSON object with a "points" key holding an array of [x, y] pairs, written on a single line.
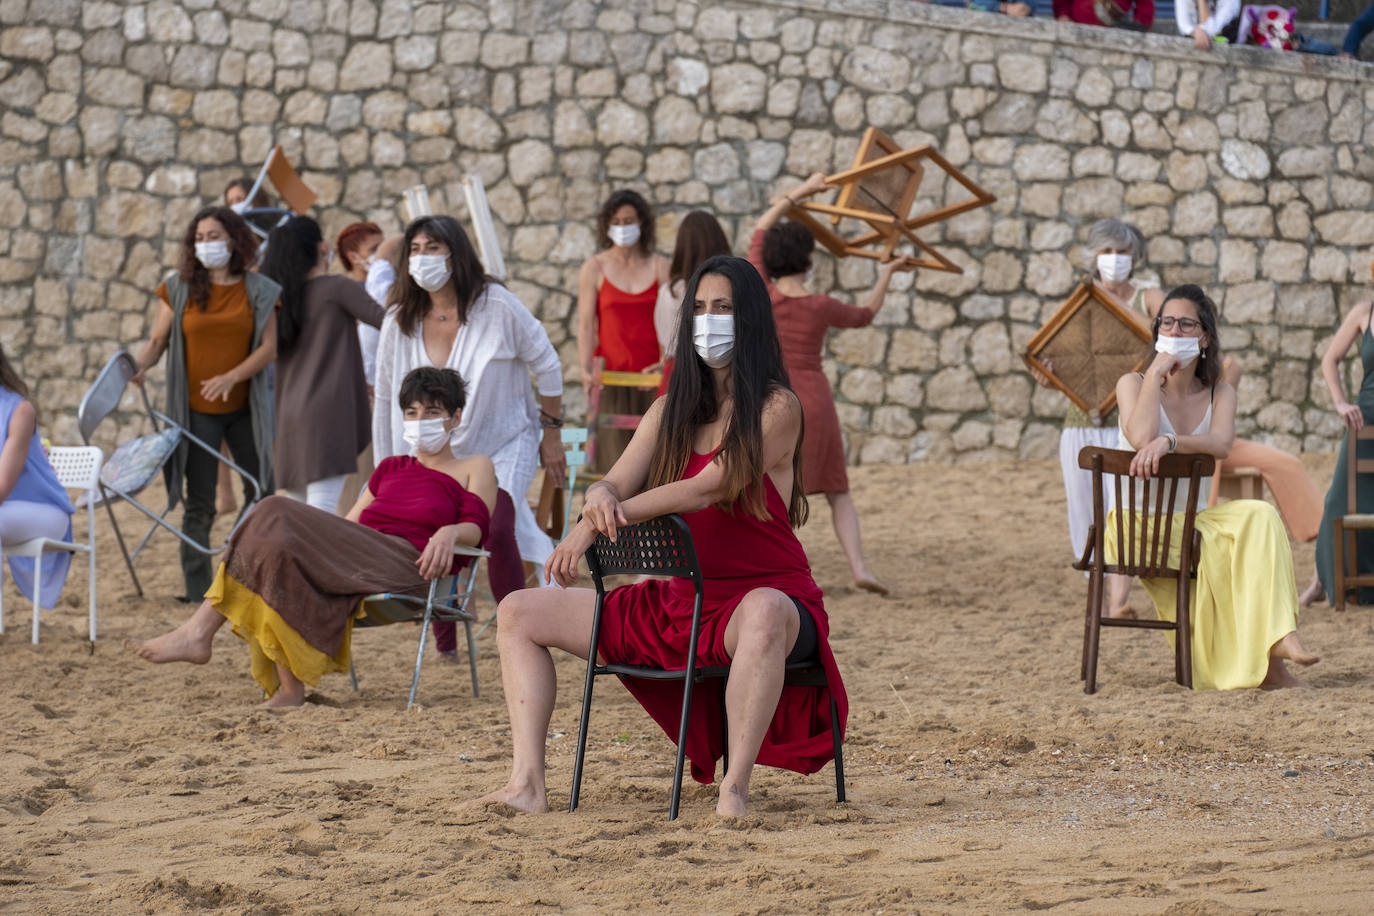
{"points": [[1114, 233]]}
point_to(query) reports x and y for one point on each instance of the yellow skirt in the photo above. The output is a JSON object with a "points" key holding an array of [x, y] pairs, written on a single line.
{"points": [[1245, 598], [271, 640]]}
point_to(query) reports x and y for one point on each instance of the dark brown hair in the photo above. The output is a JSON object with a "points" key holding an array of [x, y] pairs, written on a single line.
{"points": [[646, 220], [293, 250], [9, 378], [1208, 362], [756, 372], [433, 387], [245, 184], [469, 279], [787, 249], [698, 238], [349, 240], [243, 252]]}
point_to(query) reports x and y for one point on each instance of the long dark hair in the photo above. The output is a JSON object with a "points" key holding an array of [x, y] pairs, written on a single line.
{"points": [[293, 250], [613, 203], [9, 378], [411, 302], [1209, 361], [243, 252], [756, 372], [698, 238]]}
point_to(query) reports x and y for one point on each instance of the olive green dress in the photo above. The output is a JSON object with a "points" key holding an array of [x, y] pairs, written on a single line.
{"points": [[1364, 498]]}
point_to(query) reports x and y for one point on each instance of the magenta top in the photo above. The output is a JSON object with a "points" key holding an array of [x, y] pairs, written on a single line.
{"points": [[412, 502]]}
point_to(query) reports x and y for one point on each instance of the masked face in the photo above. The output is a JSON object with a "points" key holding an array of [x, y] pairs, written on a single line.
{"points": [[212, 255], [426, 437], [1184, 349], [429, 271], [623, 236], [239, 207], [1113, 268], [713, 336]]}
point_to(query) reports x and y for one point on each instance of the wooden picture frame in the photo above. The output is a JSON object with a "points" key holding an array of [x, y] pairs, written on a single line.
{"points": [[1092, 340], [879, 190]]}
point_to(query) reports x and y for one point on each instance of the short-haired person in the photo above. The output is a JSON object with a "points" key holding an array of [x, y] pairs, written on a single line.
{"points": [[324, 420], [293, 576], [722, 448], [443, 310], [357, 247], [1245, 602], [782, 253], [617, 289], [216, 320], [33, 503]]}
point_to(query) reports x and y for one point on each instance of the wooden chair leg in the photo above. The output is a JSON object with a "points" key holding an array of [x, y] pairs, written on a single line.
{"points": [[1094, 631], [1338, 539], [1183, 633]]}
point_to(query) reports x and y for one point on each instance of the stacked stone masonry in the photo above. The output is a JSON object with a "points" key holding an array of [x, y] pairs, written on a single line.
{"points": [[1248, 171]]}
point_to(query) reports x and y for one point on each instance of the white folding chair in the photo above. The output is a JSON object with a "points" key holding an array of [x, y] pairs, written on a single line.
{"points": [[77, 468], [137, 462], [445, 602]]}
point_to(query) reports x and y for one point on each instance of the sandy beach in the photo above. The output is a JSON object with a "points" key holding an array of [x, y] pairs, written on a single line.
{"points": [[980, 777]]}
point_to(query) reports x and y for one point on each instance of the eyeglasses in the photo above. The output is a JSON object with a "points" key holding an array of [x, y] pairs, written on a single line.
{"points": [[1186, 325]]}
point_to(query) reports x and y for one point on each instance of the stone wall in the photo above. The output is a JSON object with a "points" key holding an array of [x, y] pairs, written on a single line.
{"points": [[1247, 170]]}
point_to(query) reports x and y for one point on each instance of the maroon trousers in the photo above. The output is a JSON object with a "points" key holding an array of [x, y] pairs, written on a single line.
{"points": [[505, 569]]}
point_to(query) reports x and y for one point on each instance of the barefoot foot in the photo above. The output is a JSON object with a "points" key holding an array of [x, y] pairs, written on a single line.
{"points": [[1312, 594], [1278, 677], [525, 799], [1125, 612], [870, 583], [732, 801], [1291, 648], [284, 698], [180, 645]]}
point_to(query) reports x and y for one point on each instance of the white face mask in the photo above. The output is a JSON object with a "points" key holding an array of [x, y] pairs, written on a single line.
{"points": [[239, 207], [624, 236], [1184, 349], [427, 437], [714, 338], [430, 271], [1113, 268], [212, 255]]}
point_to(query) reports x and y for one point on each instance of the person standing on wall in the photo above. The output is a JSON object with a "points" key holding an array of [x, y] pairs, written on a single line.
{"points": [[616, 292]]}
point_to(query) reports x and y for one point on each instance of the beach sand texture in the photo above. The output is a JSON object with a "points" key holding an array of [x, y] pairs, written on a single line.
{"points": [[981, 778]]}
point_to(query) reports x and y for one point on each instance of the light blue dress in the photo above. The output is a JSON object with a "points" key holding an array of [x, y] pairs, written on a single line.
{"points": [[37, 483]]}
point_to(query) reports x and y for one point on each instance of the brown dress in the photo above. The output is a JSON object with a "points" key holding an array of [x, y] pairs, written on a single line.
{"points": [[802, 322], [324, 420]]}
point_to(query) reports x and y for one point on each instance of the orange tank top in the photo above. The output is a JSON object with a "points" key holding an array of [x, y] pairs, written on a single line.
{"points": [[625, 327], [218, 338]]}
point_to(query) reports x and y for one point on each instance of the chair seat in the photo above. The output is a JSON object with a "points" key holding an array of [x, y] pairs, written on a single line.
{"points": [[38, 546], [1358, 522], [135, 463]]}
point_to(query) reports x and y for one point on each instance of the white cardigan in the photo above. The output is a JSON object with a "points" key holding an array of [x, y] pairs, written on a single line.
{"points": [[495, 351]]}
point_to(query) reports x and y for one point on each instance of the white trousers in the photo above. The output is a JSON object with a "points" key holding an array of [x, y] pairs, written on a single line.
{"points": [[321, 494], [1078, 483], [23, 521]]}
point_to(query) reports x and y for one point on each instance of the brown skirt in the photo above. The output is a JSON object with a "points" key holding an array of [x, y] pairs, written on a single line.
{"points": [[293, 579]]}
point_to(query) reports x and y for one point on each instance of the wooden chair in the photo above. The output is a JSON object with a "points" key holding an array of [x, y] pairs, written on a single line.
{"points": [[602, 379], [878, 192], [1238, 483], [1345, 534], [663, 547], [1142, 550]]}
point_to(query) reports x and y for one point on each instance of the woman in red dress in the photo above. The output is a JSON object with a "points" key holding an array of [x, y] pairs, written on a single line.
{"points": [[782, 254], [616, 292], [722, 448]]}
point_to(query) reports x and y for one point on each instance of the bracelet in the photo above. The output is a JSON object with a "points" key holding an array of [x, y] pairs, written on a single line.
{"points": [[1173, 442], [549, 421]]}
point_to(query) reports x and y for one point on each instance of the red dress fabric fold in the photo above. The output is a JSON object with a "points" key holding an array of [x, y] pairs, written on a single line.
{"points": [[649, 623]]}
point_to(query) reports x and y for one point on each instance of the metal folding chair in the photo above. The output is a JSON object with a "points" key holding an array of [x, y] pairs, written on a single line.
{"points": [[294, 192], [77, 467], [663, 547], [135, 464], [444, 602]]}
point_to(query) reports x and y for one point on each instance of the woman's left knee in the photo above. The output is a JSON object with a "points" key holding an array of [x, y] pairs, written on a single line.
{"points": [[767, 615]]}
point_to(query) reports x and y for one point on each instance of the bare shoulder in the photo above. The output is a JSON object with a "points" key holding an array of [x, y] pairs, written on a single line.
{"points": [[782, 405], [1153, 299], [1358, 316], [1225, 389], [478, 467], [1129, 382]]}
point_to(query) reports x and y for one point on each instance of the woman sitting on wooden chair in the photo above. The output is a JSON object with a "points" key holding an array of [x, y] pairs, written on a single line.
{"points": [[721, 447], [293, 575], [1245, 605]]}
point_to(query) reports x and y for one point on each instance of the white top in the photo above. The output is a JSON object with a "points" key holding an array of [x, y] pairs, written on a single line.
{"points": [[1223, 12], [495, 351], [1205, 486], [666, 314]]}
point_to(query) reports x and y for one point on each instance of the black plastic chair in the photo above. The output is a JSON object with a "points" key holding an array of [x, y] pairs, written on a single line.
{"points": [[663, 547]]}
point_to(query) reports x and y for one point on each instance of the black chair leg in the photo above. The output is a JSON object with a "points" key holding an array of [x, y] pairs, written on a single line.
{"points": [[839, 749], [682, 742]]}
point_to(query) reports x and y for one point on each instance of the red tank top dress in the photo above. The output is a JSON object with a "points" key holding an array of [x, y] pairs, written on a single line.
{"points": [[625, 335], [650, 623]]}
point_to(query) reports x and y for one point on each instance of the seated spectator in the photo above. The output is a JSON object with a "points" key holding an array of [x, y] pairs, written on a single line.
{"points": [[1205, 21], [1137, 15], [293, 575], [1361, 27], [32, 502], [997, 6]]}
